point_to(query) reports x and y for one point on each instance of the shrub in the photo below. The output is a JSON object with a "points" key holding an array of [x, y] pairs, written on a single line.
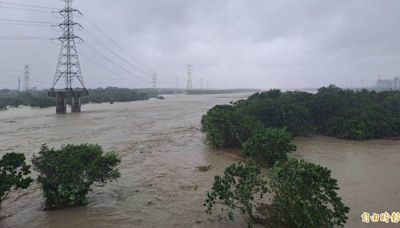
{"points": [[269, 145], [239, 188], [66, 175], [13, 174], [305, 196], [300, 194], [226, 128]]}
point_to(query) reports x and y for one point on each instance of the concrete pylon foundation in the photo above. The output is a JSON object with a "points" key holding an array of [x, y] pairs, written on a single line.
{"points": [[61, 105], [68, 97], [76, 104]]}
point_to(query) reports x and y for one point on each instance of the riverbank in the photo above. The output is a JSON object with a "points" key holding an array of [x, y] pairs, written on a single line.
{"points": [[160, 144]]}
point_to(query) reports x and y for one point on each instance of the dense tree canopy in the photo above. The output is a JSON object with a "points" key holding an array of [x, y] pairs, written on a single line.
{"points": [[66, 175], [227, 128], [331, 111], [269, 146], [13, 174], [40, 99], [295, 194]]}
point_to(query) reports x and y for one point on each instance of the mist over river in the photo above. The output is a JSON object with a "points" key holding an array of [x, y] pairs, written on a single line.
{"points": [[160, 145]]}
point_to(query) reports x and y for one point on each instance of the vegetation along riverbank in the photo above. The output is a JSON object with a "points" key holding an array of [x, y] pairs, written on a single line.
{"points": [[293, 193]]}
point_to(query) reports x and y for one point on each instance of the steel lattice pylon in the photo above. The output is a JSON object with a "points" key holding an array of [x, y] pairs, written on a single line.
{"points": [[68, 67]]}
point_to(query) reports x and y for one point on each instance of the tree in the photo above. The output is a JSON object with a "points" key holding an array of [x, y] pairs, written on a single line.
{"points": [[66, 175], [240, 188], [269, 145], [226, 128], [305, 196], [13, 174]]}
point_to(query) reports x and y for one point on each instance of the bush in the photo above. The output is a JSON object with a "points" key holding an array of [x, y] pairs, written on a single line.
{"points": [[300, 194], [239, 188], [226, 128], [332, 111], [305, 196], [66, 175], [269, 145], [13, 174]]}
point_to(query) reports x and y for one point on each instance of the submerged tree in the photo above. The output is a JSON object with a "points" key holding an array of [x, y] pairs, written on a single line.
{"points": [[305, 195], [226, 128], [240, 188], [13, 174], [66, 175], [269, 146], [302, 195]]}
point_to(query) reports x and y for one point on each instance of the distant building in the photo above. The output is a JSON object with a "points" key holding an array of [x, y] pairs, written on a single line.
{"points": [[384, 84], [396, 83]]}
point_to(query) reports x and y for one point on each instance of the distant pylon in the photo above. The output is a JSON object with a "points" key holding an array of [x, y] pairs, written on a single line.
{"points": [[19, 84], [154, 80], [201, 83], [68, 66], [26, 78], [177, 82], [189, 81]]}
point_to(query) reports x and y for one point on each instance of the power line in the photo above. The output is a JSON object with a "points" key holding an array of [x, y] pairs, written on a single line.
{"points": [[113, 62], [26, 5], [114, 53], [115, 43], [23, 38], [105, 68], [25, 21], [26, 9]]}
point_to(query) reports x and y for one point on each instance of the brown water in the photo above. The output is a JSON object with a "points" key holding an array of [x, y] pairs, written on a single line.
{"points": [[160, 145]]}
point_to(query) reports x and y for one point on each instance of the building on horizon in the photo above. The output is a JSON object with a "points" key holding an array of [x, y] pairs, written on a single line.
{"points": [[388, 84]]}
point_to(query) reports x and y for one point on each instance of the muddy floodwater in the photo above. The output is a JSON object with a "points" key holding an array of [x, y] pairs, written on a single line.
{"points": [[160, 145]]}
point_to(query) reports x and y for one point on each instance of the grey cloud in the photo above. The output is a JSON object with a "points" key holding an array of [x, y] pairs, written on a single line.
{"points": [[238, 43]]}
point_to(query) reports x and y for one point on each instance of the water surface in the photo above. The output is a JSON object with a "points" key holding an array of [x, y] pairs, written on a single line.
{"points": [[160, 144]]}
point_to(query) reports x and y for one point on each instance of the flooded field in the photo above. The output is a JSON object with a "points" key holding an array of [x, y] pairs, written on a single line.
{"points": [[160, 145]]}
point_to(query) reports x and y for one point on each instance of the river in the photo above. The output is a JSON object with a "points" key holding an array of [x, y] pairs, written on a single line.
{"points": [[160, 145]]}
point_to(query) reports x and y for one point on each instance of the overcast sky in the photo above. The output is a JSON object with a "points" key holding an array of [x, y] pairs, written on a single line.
{"points": [[230, 43]]}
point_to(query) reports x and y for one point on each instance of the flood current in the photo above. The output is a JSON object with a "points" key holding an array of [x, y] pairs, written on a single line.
{"points": [[160, 145]]}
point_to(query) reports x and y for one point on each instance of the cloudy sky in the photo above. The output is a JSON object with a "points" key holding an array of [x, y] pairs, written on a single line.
{"points": [[230, 43]]}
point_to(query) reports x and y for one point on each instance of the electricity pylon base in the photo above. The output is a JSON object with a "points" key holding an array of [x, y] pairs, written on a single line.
{"points": [[70, 97]]}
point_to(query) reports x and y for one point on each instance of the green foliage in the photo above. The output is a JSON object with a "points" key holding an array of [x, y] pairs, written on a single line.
{"points": [[112, 94], [305, 196], [13, 174], [280, 110], [332, 111], [300, 194], [66, 175], [226, 128], [239, 188], [269, 145]]}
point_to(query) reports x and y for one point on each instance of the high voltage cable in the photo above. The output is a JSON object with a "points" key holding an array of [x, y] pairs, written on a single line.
{"points": [[23, 24], [27, 9], [27, 5], [26, 21], [106, 68], [114, 53], [114, 42], [23, 38], [113, 62]]}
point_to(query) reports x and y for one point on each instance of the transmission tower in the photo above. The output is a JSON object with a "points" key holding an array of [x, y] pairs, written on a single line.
{"points": [[154, 80], [201, 83], [27, 78], [189, 81], [68, 67]]}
